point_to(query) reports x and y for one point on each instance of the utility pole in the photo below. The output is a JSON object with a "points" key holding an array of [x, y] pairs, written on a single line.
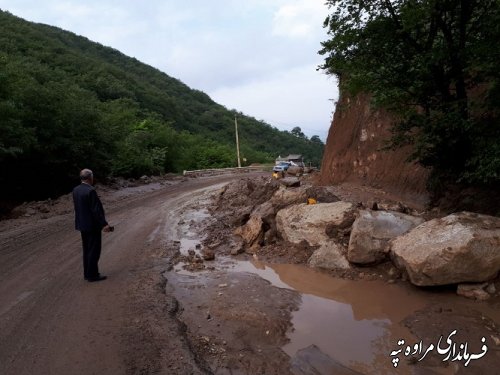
{"points": [[237, 141]]}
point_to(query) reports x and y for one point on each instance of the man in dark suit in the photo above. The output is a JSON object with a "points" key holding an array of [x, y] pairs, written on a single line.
{"points": [[90, 220]]}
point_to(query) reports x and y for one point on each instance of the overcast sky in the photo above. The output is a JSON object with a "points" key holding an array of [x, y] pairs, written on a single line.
{"points": [[256, 56]]}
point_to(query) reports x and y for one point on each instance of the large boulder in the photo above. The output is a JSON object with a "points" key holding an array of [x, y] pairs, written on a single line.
{"points": [[290, 182], [329, 256], [252, 232], [260, 225], [247, 192], [284, 197], [237, 199], [372, 231], [462, 247], [295, 170], [266, 211], [308, 223]]}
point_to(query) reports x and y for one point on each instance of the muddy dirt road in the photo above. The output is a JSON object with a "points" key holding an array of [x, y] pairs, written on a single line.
{"points": [[54, 322], [165, 310]]}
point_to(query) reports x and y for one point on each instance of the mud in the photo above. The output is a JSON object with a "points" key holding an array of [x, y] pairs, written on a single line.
{"points": [[345, 322], [167, 310], [54, 322]]}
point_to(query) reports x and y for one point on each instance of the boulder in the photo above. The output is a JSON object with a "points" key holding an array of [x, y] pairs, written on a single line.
{"points": [[208, 254], [236, 245], [459, 248], [290, 181], [247, 192], [285, 197], [266, 211], [295, 170], [309, 222], [372, 231], [322, 194], [239, 216], [252, 232], [329, 256]]}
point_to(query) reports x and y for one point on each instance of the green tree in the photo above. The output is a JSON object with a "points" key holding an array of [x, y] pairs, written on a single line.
{"points": [[316, 139], [15, 139], [68, 103], [149, 148], [434, 64], [297, 131]]}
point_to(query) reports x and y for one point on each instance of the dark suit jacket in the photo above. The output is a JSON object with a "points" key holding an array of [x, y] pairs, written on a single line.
{"points": [[89, 213]]}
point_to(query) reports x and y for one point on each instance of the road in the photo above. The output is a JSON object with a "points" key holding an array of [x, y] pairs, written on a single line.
{"points": [[54, 322], [239, 317]]}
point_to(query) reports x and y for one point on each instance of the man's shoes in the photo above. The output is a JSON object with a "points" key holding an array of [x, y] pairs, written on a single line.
{"points": [[87, 277], [98, 278]]}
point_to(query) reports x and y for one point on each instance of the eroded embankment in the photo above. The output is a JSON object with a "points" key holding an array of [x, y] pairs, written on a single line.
{"points": [[356, 152]]}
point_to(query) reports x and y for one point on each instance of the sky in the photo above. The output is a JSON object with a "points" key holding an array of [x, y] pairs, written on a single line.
{"points": [[256, 56]]}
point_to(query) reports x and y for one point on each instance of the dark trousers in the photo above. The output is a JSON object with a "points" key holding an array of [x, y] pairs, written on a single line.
{"points": [[91, 253]]}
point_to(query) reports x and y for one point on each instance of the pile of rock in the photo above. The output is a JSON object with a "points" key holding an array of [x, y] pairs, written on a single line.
{"points": [[461, 248], [44, 209]]}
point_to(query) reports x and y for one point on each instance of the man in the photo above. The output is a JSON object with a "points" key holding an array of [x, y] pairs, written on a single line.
{"points": [[90, 221]]}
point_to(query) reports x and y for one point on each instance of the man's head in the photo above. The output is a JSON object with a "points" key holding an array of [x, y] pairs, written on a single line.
{"points": [[87, 176]]}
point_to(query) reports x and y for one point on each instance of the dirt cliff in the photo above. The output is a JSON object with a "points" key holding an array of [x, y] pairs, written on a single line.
{"points": [[354, 154]]}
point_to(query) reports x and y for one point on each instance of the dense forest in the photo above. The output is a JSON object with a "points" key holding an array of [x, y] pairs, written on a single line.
{"points": [[68, 103], [435, 66]]}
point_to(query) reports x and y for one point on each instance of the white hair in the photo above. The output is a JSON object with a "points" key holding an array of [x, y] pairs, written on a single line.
{"points": [[86, 174]]}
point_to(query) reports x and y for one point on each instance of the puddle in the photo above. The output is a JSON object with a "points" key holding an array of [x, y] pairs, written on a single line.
{"points": [[180, 269], [258, 268], [187, 244], [195, 215], [190, 240], [355, 323]]}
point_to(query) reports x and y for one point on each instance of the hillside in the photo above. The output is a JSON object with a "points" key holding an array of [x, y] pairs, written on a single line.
{"points": [[67, 102], [355, 152], [424, 86]]}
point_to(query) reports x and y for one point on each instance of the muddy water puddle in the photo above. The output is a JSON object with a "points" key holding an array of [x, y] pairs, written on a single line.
{"points": [[187, 244], [190, 239], [357, 324], [343, 326]]}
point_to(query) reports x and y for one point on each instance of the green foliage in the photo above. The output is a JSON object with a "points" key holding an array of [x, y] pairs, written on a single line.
{"points": [[434, 64], [67, 103], [316, 139], [297, 131], [147, 149]]}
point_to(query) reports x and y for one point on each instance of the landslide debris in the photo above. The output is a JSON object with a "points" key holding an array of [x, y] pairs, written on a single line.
{"points": [[273, 220]]}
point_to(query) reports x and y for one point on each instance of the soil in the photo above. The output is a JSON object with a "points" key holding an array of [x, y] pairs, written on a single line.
{"points": [[355, 152], [177, 302]]}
